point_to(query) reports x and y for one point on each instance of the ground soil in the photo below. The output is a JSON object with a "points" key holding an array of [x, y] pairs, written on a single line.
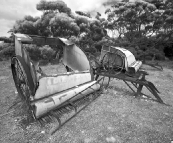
{"points": [[115, 117]]}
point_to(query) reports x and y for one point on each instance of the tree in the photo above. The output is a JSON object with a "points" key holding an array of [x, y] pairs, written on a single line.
{"points": [[46, 24], [6, 39], [43, 24], [26, 25], [53, 6], [64, 26], [58, 20], [132, 19], [83, 14], [140, 23]]}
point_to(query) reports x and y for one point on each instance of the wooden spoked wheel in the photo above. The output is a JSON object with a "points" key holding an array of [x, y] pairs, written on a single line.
{"points": [[112, 63], [107, 64], [21, 82]]}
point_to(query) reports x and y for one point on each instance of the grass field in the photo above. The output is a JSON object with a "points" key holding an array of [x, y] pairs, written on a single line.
{"points": [[115, 117]]}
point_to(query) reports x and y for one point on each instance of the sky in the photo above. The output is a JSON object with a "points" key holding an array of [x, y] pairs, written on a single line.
{"points": [[12, 10]]}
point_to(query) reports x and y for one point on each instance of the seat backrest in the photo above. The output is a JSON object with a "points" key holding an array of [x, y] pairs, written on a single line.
{"points": [[75, 58]]}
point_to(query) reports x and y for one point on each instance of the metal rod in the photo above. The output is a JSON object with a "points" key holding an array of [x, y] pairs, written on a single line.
{"points": [[56, 128], [134, 84], [57, 117], [129, 86]]}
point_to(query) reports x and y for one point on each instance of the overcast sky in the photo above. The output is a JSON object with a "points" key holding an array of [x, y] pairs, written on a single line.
{"points": [[12, 10]]}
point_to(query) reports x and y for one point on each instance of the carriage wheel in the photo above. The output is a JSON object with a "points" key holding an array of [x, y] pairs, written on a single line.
{"points": [[106, 63], [21, 83], [109, 64]]}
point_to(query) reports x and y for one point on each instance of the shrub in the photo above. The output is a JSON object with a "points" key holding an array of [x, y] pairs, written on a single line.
{"points": [[160, 56], [1, 46], [90, 50], [47, 53], [168, 51], [7, 52], [34, 52], [40, 53], [149, 54]]}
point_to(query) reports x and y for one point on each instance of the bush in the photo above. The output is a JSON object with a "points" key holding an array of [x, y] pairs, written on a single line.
{"points": [[160, 56], [7, 52], [168, 51], [1, 46], [34, 52], [47, 53], [90, 50], [40, 53]]}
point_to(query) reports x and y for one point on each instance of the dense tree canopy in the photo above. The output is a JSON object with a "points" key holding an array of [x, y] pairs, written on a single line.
{"points": [[145, 20], [26, 25], [58, 20], [146, 25], [131, 18], [53, 6]]}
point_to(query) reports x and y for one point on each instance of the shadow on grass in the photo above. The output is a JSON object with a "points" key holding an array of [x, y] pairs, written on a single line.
{"points": [[128, 93]]}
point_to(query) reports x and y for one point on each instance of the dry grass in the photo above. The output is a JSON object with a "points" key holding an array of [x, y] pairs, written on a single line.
{"points": [[115, 116]]}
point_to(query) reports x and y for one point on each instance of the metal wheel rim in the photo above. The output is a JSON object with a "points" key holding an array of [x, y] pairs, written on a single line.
{"points": [[110, 67], [21, 80]]}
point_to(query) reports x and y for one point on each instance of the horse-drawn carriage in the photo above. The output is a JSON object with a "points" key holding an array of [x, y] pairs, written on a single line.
{"points": [[48, 96]]}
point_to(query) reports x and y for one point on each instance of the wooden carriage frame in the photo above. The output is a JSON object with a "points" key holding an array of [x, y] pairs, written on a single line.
{"points": [[24, 73]]}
